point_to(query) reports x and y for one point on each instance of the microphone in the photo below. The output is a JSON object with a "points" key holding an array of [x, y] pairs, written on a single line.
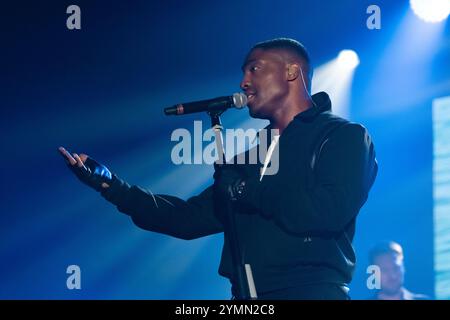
{"points": [[237, 100]]}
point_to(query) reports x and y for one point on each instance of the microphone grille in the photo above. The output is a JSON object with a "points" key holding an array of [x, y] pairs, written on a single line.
{"points": [[239, 100]]}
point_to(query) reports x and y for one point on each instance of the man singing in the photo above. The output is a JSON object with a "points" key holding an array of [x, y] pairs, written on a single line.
{"points": [[295, 228]]}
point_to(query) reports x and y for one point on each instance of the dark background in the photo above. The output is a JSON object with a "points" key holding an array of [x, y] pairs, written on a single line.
{"points": [[101, 90]]}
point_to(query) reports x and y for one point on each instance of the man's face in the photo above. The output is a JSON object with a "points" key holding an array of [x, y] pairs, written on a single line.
{"points": [[264, 82], [392, 272]]}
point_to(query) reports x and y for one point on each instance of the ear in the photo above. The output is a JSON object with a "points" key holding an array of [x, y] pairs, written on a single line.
{"points": [[293, 71]]}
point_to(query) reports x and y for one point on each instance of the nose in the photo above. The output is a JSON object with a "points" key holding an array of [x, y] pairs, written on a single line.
{"points": [[245, 83]]}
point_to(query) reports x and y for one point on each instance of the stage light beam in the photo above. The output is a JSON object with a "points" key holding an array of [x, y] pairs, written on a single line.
{"points": [[348, 59], [335, 77], [432, 11]]}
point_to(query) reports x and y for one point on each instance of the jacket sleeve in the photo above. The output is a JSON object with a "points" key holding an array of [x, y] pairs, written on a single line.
{"points": [[165, 214], [344, 173]]}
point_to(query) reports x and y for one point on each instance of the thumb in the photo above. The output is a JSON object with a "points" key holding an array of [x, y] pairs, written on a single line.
{"points": [[83, 157]]}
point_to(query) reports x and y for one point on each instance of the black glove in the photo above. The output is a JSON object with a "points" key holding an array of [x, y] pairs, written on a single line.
{"points": [[229, 181], [91, 173]]}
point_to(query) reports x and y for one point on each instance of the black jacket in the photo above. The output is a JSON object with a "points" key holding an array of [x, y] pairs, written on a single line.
{"points": [[294, 227]]}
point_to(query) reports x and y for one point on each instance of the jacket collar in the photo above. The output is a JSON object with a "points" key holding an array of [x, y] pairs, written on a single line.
{"points": [[322, 103]]}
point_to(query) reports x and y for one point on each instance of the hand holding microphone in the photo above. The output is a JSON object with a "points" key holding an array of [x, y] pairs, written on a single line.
{"points": [[229, 181]]}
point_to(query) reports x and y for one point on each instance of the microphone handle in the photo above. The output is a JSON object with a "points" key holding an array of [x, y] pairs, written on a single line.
{"points": [[215, 104]]}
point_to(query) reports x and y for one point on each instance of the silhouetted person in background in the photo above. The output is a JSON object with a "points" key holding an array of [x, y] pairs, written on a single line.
{"points": [[388, 256]]}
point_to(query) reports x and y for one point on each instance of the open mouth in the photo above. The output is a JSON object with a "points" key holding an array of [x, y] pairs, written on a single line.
{"points": [[250, 97]]}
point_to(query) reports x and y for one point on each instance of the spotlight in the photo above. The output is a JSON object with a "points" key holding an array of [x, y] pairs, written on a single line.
{"points": [[431, 10], [348, 59]]}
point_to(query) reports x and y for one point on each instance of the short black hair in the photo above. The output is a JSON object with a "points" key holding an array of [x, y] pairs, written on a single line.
{"points": [[293, 47], [288, 44], [385, 247]]}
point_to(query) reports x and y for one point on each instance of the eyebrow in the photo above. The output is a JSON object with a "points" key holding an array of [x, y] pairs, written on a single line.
{"points": [[247, 63]]}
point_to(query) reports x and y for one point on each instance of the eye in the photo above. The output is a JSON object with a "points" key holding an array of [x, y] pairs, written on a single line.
{"points": [[254, 68]]}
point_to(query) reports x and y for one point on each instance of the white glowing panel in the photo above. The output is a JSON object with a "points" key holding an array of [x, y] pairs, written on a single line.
{"points": [[441, 196]]}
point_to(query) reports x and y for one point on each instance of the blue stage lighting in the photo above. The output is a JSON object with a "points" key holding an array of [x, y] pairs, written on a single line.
{"points": [[431, 10], [348, 59]]}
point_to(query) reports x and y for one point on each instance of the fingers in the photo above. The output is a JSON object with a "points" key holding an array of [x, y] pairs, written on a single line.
{"points": [[79, 162], [66, 155], [73, 159], [83, 157]]}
